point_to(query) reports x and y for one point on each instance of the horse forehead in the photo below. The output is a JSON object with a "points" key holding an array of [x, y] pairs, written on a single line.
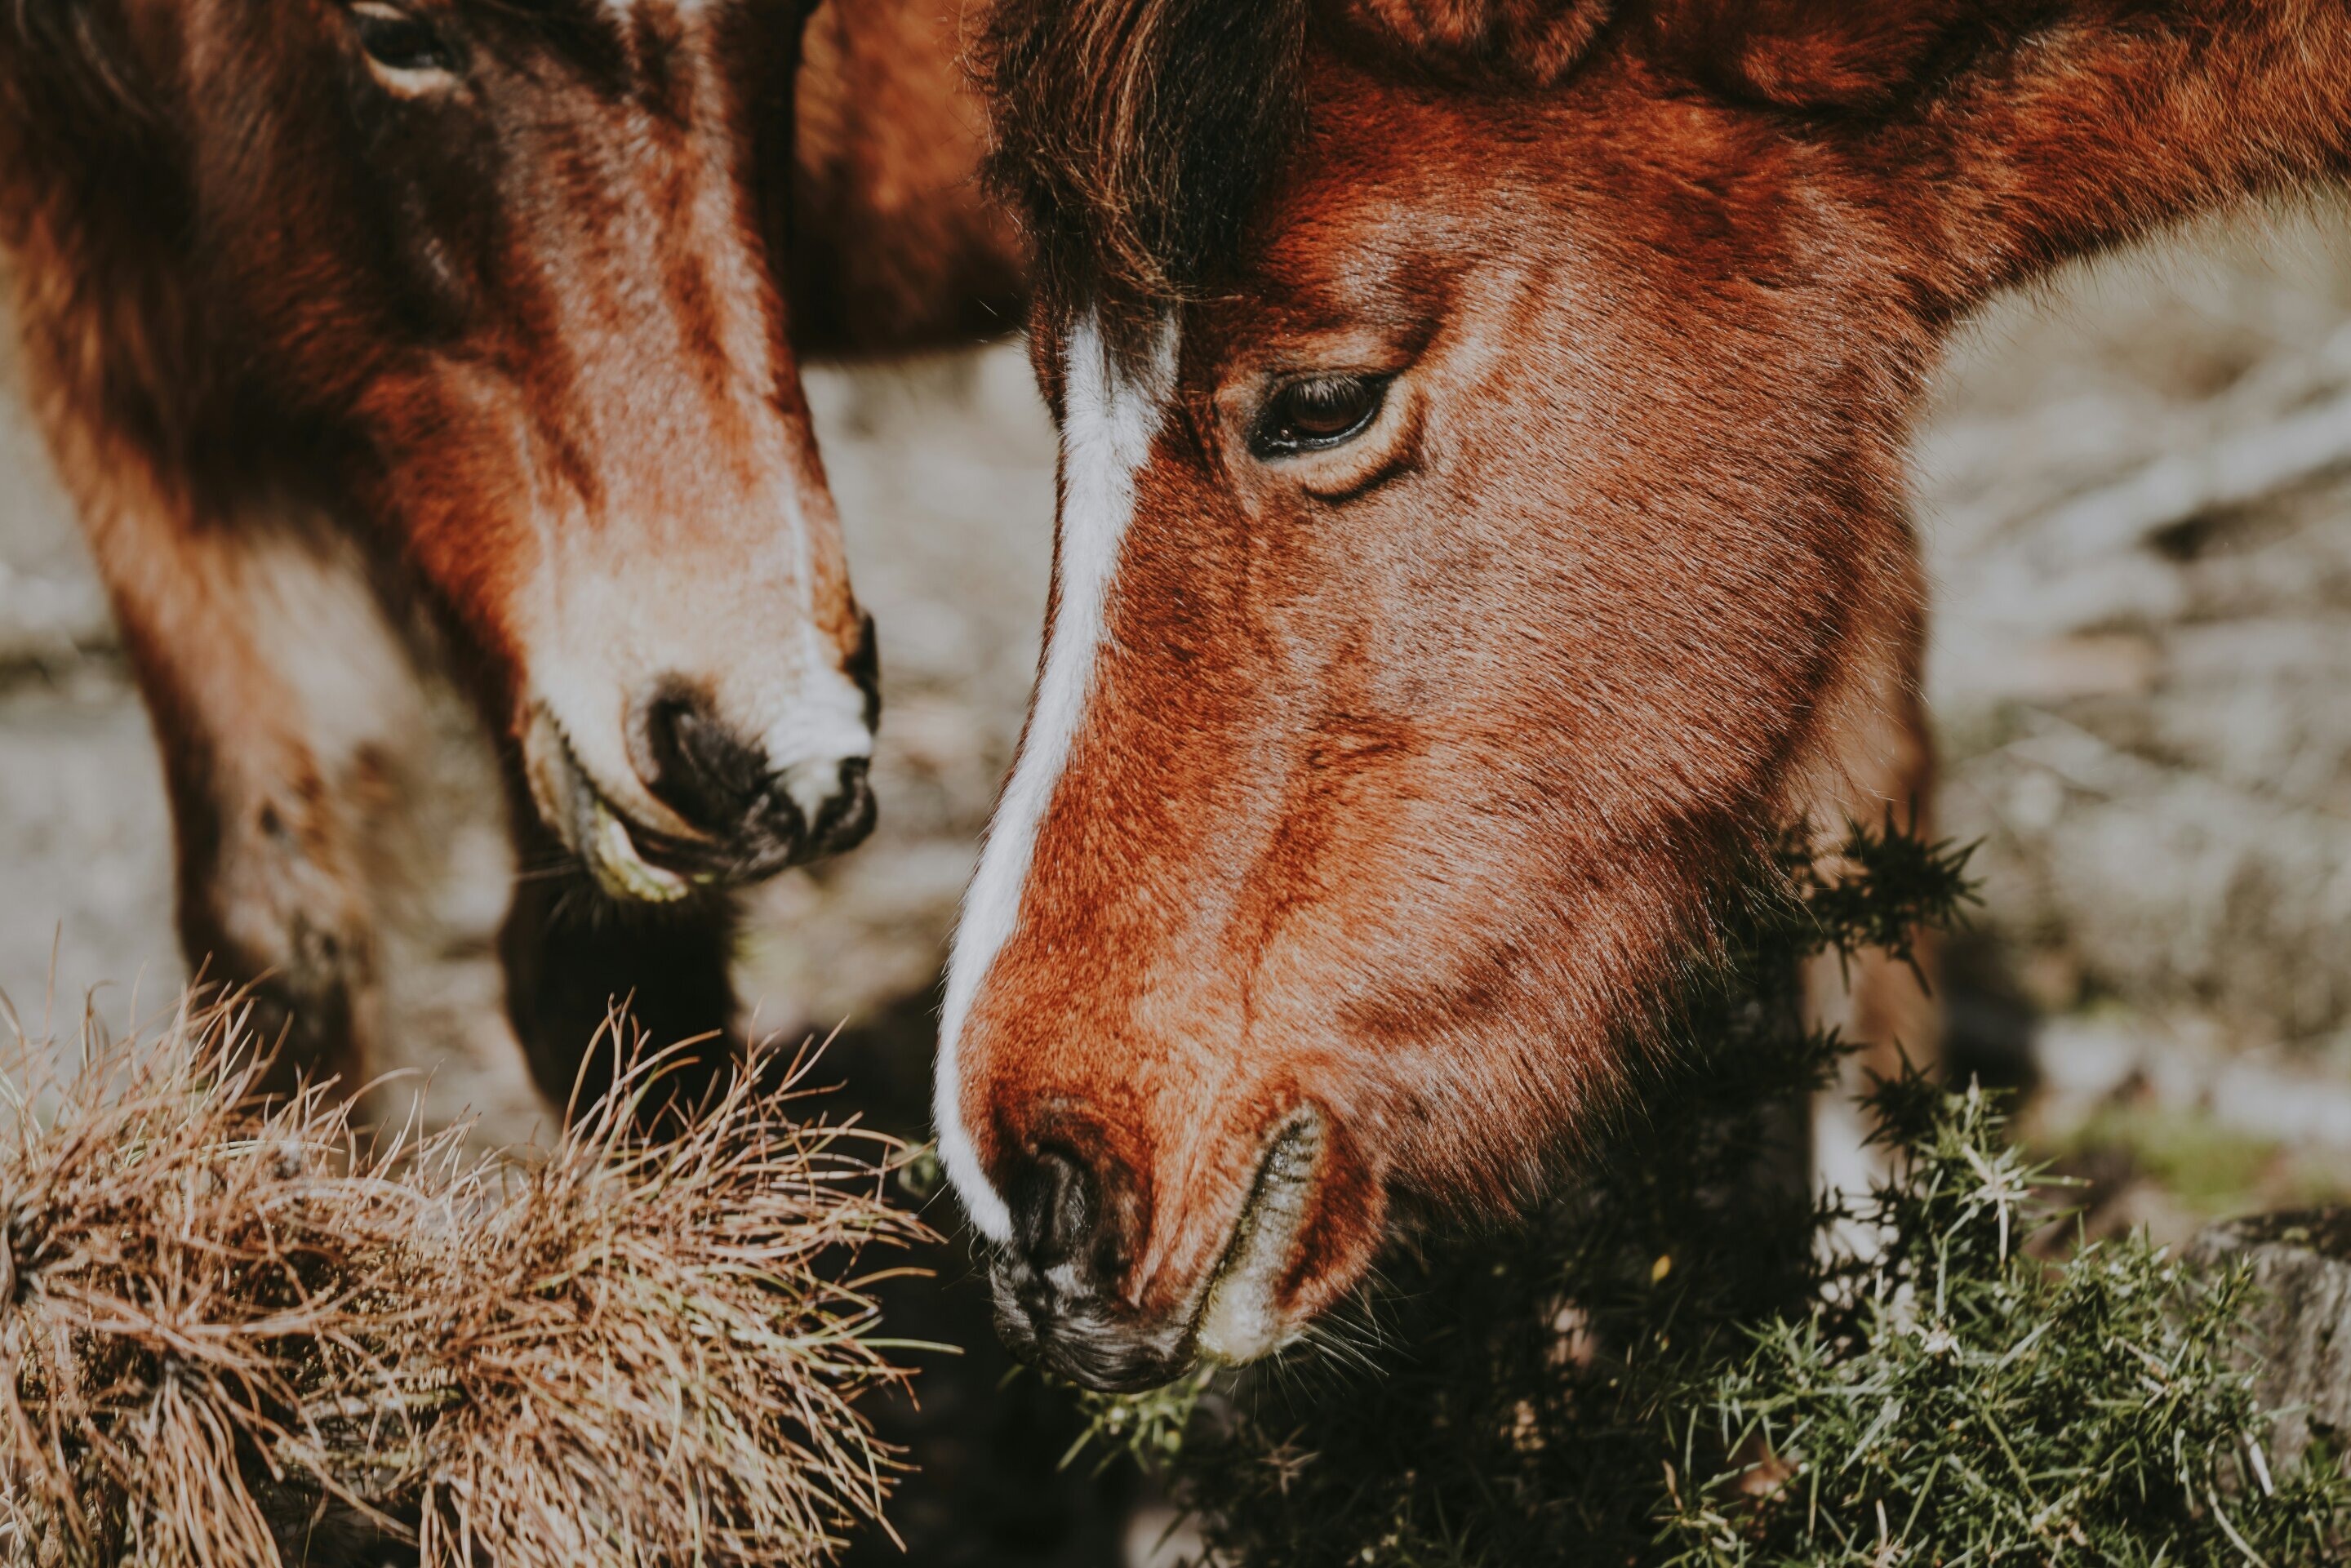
{"points": [[1365, 224]]}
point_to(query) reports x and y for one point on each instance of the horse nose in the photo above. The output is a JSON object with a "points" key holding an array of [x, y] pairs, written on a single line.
{"points": [[1057, 1281], [842, 813], [722, 783]]}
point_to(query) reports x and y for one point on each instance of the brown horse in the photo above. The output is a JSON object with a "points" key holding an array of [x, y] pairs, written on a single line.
{"points": [[496, 301], [1481, 519]]}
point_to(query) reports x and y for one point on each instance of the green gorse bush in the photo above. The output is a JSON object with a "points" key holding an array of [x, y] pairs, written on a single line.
{"points": [[1968, 1403], [1688, 1359]]}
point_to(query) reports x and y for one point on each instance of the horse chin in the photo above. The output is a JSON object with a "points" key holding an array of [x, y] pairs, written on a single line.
{"points": [[582, 816], [1243, 1320]]}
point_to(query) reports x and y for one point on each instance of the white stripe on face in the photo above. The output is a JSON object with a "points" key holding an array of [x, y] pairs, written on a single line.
{"points": [[627, 9], [1109, 421]]}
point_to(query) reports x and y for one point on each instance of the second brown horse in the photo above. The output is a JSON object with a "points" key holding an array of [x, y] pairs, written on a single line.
{"points": [[360, 323]]}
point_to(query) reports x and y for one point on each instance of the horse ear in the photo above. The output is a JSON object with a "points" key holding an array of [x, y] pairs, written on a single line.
{"points": [[1811, 54], [1533, 43]]}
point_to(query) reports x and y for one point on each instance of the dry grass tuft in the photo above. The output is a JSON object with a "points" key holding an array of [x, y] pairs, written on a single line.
{"points": [[243, 1333]]}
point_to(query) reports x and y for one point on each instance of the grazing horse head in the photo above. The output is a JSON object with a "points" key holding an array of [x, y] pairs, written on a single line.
{"points": [[505, 270], [1481, 519]]}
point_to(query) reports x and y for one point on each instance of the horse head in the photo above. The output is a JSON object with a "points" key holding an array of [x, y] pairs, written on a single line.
{"points": [[505, 271], [1481, 523]]}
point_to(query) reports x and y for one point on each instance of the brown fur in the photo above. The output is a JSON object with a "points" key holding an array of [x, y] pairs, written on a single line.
{"points": [[1532, 43], [896, 245], [518, 342], [1411, 770]]}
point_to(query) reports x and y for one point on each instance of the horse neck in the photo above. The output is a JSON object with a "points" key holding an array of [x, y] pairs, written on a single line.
{"points": [[2110, 118]]}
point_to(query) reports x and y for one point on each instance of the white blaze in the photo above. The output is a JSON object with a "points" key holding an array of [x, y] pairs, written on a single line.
{"points": [[819, 722], [1109, 420]]}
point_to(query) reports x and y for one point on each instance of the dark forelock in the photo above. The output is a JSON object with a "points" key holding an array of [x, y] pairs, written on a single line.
{"points": [[1135, 137]]}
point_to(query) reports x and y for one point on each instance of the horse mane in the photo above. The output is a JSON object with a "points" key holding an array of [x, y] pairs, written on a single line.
{"points": [[91, 201], [76, 125], [68, 55], [1135, 137]]}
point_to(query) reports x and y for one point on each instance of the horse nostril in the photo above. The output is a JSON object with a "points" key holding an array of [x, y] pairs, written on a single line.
{"points": [[1063, 1230], [1061, 1209], [758, 818], [1059, 1284], [700, 768], [845, 816]]}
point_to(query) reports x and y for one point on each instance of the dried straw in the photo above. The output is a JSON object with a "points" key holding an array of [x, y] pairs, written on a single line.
{"points": [[243, 1333]]}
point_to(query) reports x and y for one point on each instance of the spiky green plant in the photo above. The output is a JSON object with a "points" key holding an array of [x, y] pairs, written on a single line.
{"points": [[1966, 1402]]}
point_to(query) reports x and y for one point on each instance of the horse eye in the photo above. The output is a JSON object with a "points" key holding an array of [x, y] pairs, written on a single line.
{"points": [[399, 42], [1318, 413]]}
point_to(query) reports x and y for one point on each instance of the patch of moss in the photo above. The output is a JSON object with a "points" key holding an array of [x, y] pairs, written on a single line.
{"points": [[2209, 1167], [2201, 1166]]}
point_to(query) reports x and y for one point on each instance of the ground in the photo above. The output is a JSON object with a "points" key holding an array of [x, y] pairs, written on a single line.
{"points": [[2133, 490]]}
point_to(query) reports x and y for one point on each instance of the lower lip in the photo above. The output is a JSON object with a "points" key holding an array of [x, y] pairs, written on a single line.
{"points": [[595, 832], [1241, 1322], [611, 856]]}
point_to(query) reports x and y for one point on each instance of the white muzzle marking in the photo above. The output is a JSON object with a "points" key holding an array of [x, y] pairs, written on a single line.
{"points": [[1109, 422]]}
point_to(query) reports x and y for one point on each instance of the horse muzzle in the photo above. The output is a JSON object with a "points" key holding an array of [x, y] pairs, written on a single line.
{"points": [[708, 809], [1062, 1288]]}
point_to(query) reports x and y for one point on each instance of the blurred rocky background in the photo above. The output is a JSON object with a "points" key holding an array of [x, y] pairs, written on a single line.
{"points": [[2134, 486]]}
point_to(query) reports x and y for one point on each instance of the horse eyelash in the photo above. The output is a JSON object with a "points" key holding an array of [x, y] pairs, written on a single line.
{"points": [[1262, 436]]}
